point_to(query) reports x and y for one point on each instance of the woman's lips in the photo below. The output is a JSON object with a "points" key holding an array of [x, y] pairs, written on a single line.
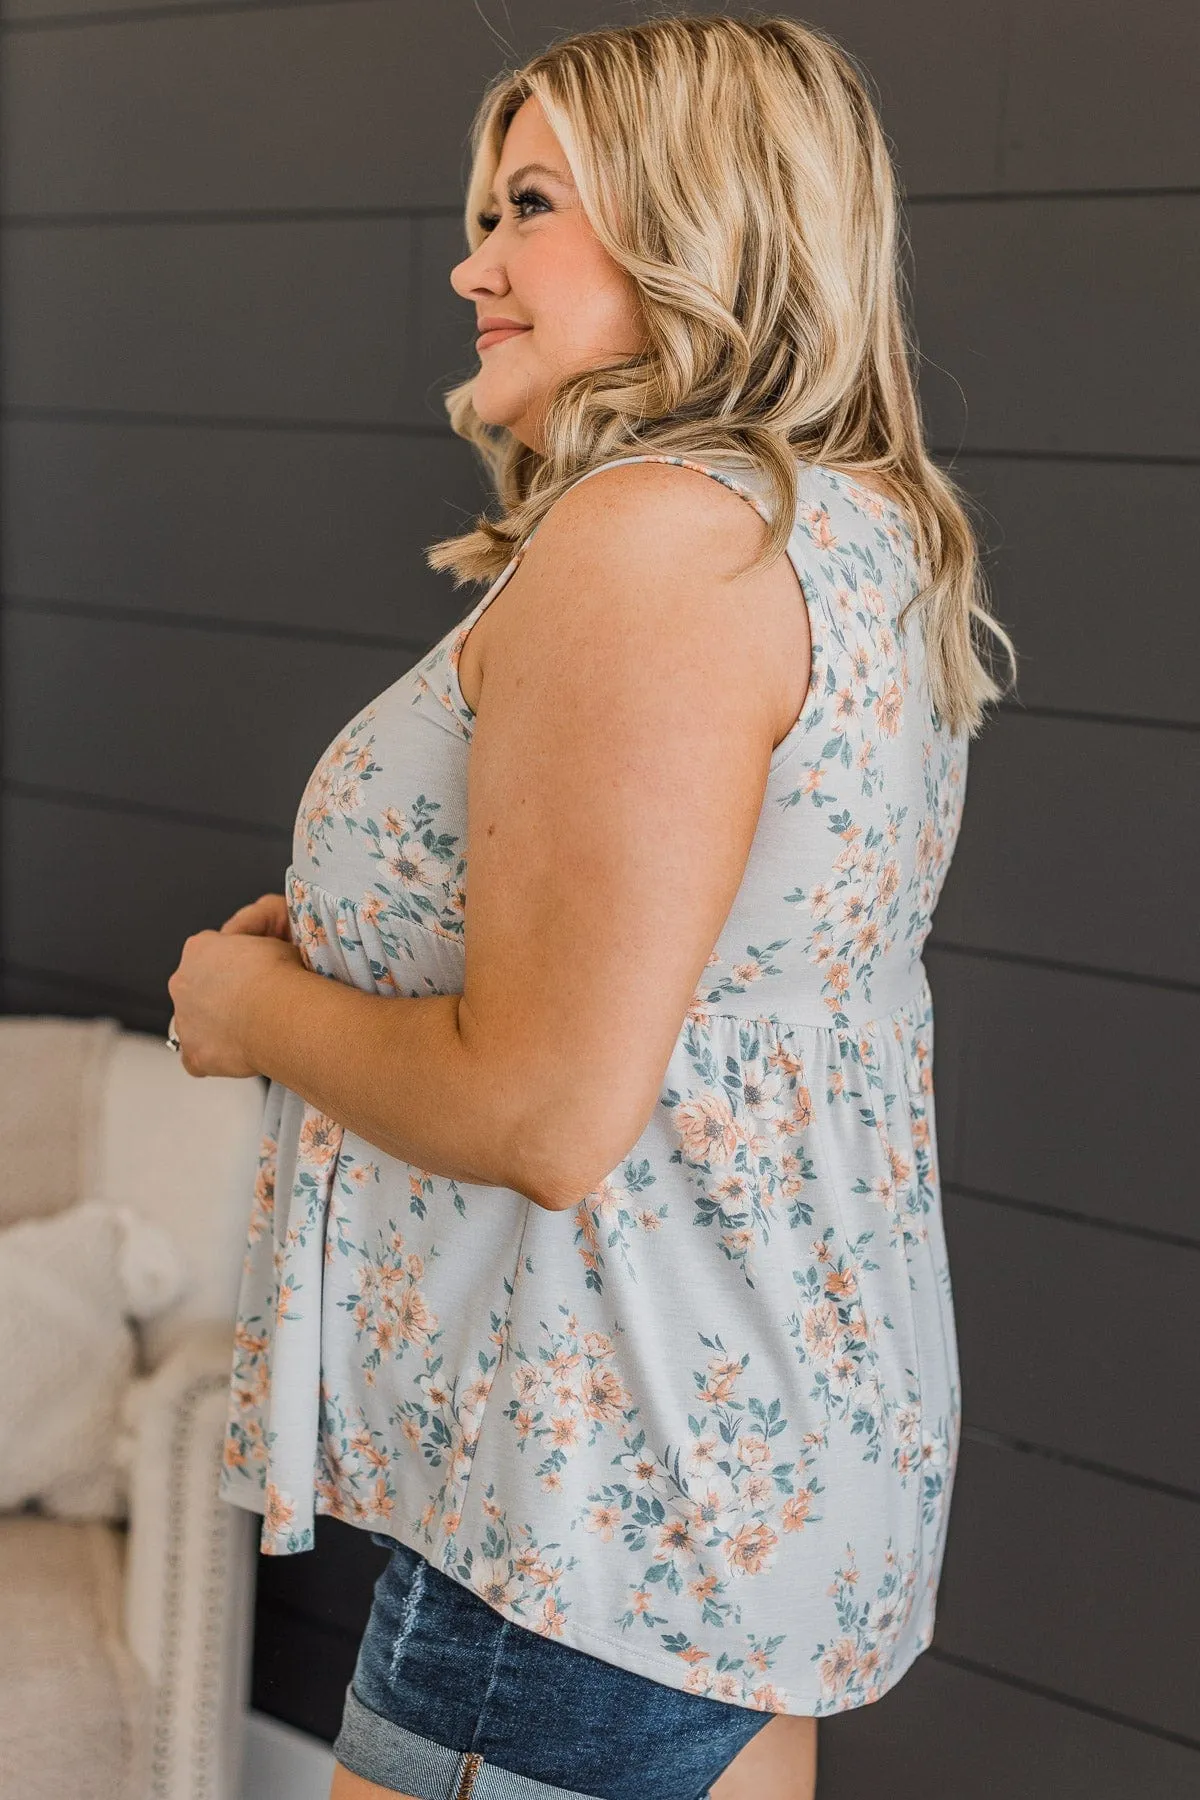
{"points": [[498, 336]]}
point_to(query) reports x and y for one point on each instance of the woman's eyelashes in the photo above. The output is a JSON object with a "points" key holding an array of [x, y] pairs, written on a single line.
{"points": [[487, 221]]}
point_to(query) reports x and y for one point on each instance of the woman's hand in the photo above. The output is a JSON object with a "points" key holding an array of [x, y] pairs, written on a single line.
{"points": [[265, 917], [211, 987]]}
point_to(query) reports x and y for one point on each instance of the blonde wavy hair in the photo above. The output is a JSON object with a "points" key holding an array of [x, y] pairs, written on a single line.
{"points": [[736, 169]]}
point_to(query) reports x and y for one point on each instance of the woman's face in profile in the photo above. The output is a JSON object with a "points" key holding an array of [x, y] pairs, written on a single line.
{"points": [[541, 267]]}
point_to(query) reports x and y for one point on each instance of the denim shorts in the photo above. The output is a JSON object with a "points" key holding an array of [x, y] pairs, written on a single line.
{"points": [[449, 1700]]}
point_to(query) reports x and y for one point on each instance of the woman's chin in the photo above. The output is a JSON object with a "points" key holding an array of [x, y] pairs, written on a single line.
{"points": [[496, 409]]}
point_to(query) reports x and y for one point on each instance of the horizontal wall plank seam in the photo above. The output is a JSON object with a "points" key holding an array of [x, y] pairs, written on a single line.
{"points": [[1095, 718], [266, 628], [990, 1673], [32, 790], [1123, 1228], [135, 15], [1084, 717], [1048, 1453], [1086, 458], [107, 991], [415, 428], [305, 215], [83, 415], [1059, 967], [999, 196], [228, 215]]}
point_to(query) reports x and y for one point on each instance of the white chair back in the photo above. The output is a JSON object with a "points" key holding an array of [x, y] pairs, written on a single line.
{"points": [[183, 1151]]}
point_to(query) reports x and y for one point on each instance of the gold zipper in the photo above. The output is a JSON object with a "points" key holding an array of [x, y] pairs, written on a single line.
{"points": [[471, 1769]]}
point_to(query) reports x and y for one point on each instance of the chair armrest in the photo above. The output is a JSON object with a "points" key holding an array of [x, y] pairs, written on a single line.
{"points": [[190, 1569]]}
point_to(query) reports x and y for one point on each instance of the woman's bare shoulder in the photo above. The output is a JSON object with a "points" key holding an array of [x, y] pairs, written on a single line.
{"points": [[597, 560]]}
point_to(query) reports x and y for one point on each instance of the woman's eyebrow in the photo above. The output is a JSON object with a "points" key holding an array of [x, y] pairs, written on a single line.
{"points": [[533, 168]]}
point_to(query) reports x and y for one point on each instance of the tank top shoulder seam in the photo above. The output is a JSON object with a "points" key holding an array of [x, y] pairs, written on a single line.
{"points": [[680, 462]]}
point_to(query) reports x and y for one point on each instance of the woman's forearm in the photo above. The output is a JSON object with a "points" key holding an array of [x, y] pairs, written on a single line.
{"points": [[393, 1070]]}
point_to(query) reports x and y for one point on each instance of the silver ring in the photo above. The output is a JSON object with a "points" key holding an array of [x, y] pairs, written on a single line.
{"points": [[172, 1040]]}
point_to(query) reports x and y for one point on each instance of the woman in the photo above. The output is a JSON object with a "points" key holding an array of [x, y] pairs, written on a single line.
{"points": [[597, 1266]]}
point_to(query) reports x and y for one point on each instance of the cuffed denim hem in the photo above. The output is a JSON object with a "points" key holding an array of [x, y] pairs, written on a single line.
{"points": [[373, 1747]]}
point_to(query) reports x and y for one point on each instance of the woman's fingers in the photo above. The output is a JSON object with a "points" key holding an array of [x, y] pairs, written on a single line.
{"points": [[265, 917]]}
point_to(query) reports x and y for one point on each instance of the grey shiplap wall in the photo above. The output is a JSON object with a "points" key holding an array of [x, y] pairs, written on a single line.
{"points": [[226, 324]]}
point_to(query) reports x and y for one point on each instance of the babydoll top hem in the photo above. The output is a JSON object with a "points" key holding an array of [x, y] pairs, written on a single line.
{"points": [[668, 1670]]}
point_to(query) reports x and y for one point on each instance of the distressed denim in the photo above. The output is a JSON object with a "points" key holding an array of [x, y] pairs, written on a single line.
{"points": [[451, 1701]]}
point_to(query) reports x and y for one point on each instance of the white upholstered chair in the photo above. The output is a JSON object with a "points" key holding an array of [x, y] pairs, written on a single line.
{"points": [[125, 1645]]}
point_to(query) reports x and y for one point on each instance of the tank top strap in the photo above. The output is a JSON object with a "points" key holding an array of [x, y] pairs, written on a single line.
{"points": [[743, 488]]}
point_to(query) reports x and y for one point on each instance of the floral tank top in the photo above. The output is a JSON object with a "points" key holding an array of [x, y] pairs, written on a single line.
{"points": [[704, 1424]]}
